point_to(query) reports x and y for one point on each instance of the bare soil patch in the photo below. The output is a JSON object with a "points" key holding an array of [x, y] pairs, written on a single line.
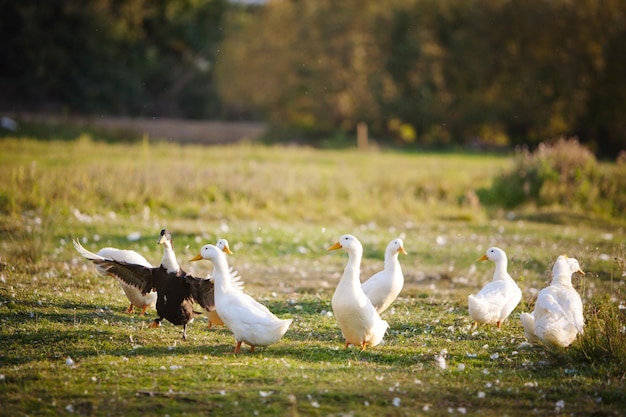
{"points": [[174, 130]]}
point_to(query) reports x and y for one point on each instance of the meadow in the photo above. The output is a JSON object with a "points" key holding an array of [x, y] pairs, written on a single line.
{"points": [[67, 346]]}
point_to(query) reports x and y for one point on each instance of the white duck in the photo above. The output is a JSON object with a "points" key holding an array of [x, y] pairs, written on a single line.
{"points": [[384, 286], [496, 300], [134, 295], [357, 318], [558, 315], [214, 318], [250, 321]]}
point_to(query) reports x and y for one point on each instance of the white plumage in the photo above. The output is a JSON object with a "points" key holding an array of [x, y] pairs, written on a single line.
{"points": [[384, 286], [357, 318], [214, 318], [558, 315], [250, 321], [496, 300]]}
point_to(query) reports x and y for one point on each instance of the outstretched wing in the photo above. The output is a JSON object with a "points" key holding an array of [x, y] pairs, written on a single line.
{"points": [[138, 276], [202, 291]]}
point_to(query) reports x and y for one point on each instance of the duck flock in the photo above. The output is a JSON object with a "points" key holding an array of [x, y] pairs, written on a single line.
{"points": [[556, 320]]}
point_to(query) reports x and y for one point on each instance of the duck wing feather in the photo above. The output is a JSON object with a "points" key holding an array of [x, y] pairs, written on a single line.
{"points": [[138, 276], [202, 290]]}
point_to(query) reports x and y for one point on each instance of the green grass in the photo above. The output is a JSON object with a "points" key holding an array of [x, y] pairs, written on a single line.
{"points": [[281, 208]]}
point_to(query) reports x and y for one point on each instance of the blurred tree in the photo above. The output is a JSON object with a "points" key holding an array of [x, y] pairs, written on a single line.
{"points": [[313, 66], [434, 71], [603, 124], [112, 56], [416, 65], [428, 72]]}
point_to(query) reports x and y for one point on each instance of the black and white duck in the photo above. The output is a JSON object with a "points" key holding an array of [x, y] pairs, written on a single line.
{"points": [[176, 289]]}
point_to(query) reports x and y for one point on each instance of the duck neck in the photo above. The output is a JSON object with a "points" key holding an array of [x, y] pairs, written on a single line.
{"points": [[221, 277], [352, 273], [391, 261], [501, 269], [562, 280], [169, 261]]}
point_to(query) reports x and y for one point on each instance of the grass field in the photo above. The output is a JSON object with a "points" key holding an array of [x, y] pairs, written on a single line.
{"points": [[68, 347]]}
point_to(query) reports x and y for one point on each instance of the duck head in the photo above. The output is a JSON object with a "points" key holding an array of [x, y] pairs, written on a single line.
{"points": [[347, 242], [574, 266], [223, 245], [164, 237], [208, 252], [397, 246], [493, 254]]}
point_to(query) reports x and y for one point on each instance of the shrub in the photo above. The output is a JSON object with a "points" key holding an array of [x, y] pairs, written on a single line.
{"points": [[604, 340], [562, 173], [613, 187]]}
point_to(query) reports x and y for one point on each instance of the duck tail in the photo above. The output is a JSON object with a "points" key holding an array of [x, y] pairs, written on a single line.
{"points": [[528, 322], [85, 253]]}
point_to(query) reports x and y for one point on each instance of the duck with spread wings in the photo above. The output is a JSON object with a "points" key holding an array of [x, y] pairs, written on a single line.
{"points": [[176, 289]]}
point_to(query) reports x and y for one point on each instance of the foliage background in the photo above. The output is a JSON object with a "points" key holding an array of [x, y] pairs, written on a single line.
{"points": [[418, 72]]}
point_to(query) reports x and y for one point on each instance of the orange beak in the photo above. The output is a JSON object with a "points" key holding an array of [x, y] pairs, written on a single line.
{"points": [[335, 246]]}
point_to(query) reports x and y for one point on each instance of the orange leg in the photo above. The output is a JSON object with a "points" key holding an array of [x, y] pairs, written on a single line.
{"points": [[499, 324], [155, 323], [238, 347], [363, 345], [129, 310], [347, 344], [251, 348], [143, 310]]}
